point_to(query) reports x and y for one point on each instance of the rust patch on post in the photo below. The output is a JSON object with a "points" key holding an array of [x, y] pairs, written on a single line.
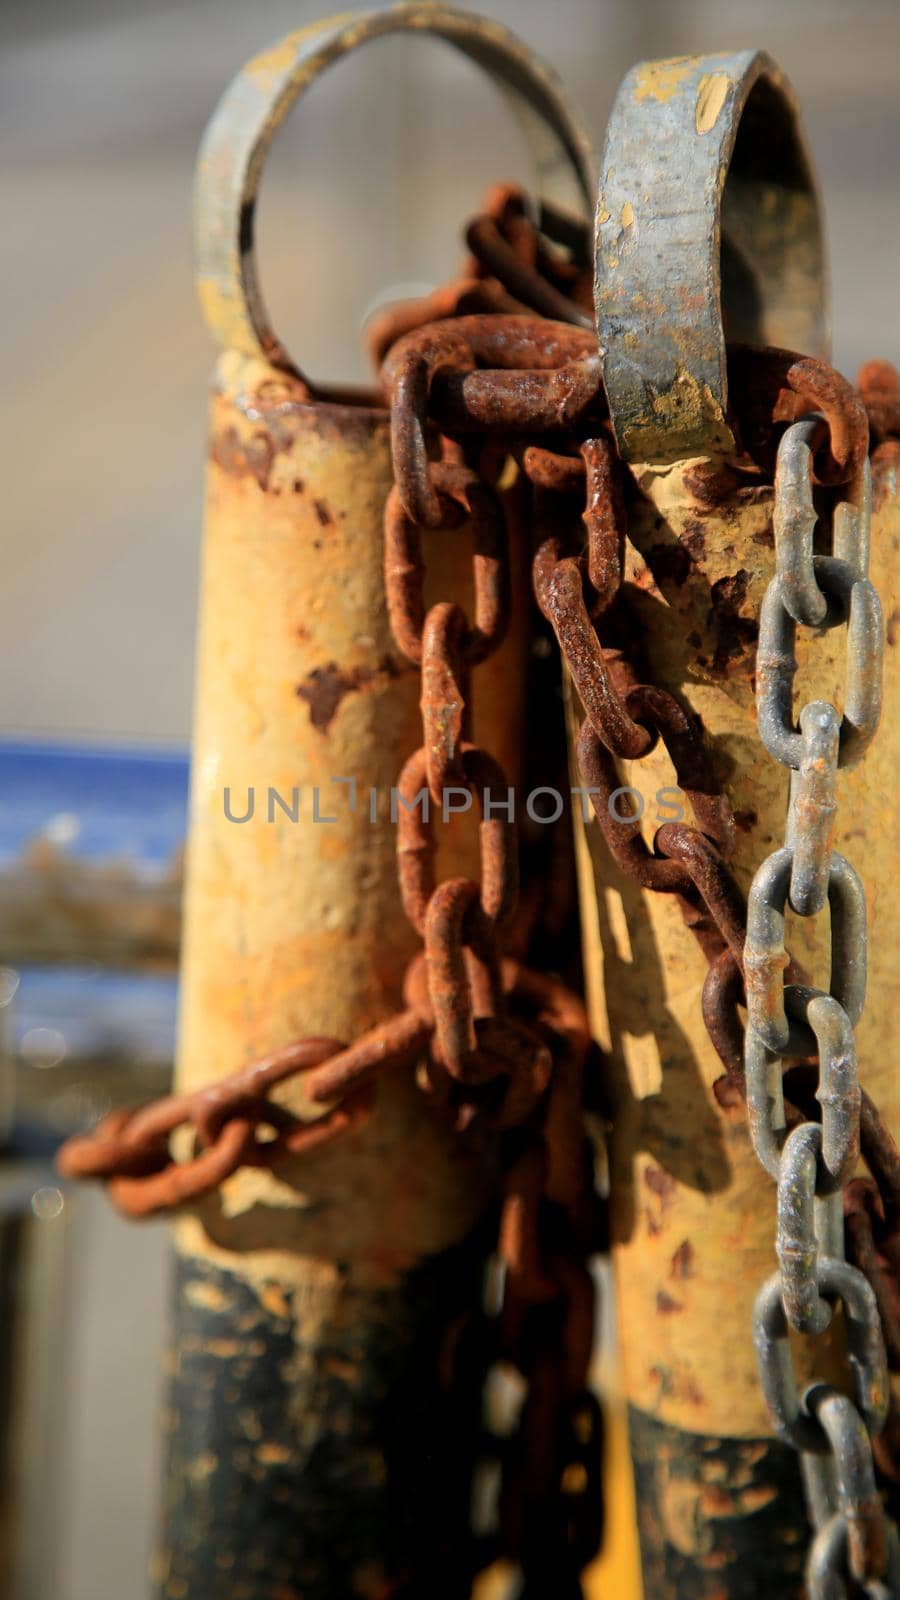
{"points": [[325, 687]]}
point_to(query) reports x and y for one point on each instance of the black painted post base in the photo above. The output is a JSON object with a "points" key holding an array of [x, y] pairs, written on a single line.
{"points": [[716, 1516], [321, 1451]]}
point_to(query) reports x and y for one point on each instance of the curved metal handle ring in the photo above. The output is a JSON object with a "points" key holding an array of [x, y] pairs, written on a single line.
{"points": [[708, 226], [255, 104]]}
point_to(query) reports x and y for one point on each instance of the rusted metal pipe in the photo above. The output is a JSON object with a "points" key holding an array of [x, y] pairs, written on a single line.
{"points": [[324, 1401]]}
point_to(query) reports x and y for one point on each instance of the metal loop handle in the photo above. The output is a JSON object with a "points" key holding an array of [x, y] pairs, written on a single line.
{"points": [[253, 107], [708, 225]]}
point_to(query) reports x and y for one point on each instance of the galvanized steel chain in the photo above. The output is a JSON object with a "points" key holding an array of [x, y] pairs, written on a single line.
{"points": [[812, 1162]]}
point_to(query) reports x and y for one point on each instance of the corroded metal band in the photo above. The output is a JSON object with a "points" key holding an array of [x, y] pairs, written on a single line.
{"points": [[258, 100], [708, 226]]}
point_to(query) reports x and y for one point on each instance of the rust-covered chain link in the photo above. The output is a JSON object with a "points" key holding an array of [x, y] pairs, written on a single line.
{"points": [[516, 265], [550, 1502], [235, 1123], [577, 591], [855, 1546]]}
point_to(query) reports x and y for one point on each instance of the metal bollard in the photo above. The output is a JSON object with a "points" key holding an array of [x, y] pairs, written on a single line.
{"points": [[321, 1421], [708, 228]]}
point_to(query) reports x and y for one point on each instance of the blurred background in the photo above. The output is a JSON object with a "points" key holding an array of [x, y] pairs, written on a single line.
{"points": [[102, 389]]}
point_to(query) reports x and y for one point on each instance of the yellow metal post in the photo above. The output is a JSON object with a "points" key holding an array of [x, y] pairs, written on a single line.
{"points": [[323, 1411]]}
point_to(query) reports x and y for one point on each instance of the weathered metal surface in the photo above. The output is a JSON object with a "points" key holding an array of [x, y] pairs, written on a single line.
{"points": [[459, 983], [707, 228], [226, 1114], [252, 109], [681, 861]]}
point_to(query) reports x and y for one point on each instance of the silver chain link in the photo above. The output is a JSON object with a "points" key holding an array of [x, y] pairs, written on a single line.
{"points": [[854, 1541]]}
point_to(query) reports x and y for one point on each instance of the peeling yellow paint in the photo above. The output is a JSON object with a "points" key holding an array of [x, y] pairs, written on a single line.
{"points": [[286, 59], [660, 80], [225, 316], [688, 408], [265, 70], [627, 214], [711, 96], [310, 919]]}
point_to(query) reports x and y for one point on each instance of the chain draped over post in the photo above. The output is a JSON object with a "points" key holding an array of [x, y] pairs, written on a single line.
{"points": [[576, 587], [502, 1048], [463, 997], [503, 366]]}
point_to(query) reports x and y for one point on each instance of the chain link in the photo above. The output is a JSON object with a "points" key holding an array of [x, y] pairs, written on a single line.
{"points": [[547, 1310], [815, 1160]]}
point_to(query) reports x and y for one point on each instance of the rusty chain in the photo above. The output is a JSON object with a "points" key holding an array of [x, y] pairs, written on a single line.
{"points": [[513, 267], [471, 375], [550, 1502]]}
